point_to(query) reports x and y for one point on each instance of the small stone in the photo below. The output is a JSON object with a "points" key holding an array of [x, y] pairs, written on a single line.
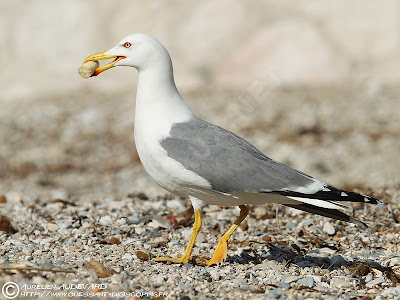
{"points": [[318, 279], [106, 220], [3, 199], [159, 281], [275, 294], [308, 282], [329, 228], [186, 287], [127, 256], [142, 255], [122, 221], [291, 225], [5, 225], [284, 285], [375, 282], [338, 283], [114, 241], [47, 264], [52, 227], [339, 261], [289, 279], [134, 220]]}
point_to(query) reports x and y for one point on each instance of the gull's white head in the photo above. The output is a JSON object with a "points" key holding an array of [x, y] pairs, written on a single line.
{"points": [[137, 50]]}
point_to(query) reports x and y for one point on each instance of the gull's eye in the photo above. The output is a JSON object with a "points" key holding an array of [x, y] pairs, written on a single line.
{"points": [[127, 45]]}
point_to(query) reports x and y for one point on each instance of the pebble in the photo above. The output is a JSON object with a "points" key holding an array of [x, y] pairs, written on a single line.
{"points": [[318, 279], [308, 282], [329, 228], [106, 220], [375, 282], [275, 294], [338, 283], [52, 227], [290, 279], [186, 287], [284, 285], [133, 220], [339, 261], [306, 276], [291, 225]]}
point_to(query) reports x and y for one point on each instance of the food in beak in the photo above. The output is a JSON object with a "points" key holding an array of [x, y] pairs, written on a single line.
{"points": [[87, 69]]}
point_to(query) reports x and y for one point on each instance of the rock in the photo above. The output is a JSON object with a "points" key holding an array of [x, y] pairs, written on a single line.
{"points": [[142, 255], [318, 279], [308, 282], [133, 220], [215, 274], [200, 238], [339, 261], [329, 228], [284, 285], [291, 225], [106, 220], [5, 225], [64, 226], [338, 283], [186, 287], [128, 256], [158, 222], [52, 227], [275, 294], [375, 282], [289, 279], [47, 264], [122, 221]]}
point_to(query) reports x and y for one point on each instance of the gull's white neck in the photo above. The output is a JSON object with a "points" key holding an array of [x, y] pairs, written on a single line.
{"points": [[158, 107], [158, 103], [157, 99]]}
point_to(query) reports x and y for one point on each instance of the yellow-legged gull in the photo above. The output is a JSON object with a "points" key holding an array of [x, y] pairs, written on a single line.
{"points": [[193, 158]]}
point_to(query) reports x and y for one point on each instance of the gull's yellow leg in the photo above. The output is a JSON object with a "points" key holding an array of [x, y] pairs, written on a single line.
{"points": [[221, 251], [187, 254]]}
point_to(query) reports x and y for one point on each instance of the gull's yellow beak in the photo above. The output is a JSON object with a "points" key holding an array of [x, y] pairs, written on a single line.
{"points": [[100, 56]]}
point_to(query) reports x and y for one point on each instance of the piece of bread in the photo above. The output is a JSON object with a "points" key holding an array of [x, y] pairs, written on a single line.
{"points": [[87, 69]]}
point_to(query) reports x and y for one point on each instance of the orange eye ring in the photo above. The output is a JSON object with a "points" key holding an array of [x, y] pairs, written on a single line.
{"points": [[127, 45]]}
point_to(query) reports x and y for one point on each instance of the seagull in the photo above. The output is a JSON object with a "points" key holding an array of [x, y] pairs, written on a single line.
{"points": [[192, 158]]}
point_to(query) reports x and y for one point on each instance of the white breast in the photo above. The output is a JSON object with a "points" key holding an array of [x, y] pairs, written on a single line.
{"points": [[153, 122]]}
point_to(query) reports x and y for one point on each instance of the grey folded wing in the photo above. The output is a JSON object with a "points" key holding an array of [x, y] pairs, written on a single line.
{"points": [[231, 164]]}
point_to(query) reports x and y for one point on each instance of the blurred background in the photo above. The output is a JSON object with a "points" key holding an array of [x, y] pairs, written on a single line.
{"points": [[314, 85]]}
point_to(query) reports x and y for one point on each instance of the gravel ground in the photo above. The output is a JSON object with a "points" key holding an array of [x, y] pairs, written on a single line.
{"points": [[82, 210]]}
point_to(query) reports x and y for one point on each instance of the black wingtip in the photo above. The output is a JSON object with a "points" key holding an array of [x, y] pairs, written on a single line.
{"points": [[354, 197], [331, 193], [328, 212]]}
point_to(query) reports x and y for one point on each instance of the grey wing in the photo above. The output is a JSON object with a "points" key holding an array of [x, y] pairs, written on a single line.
{"points": [[230, 163]]}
